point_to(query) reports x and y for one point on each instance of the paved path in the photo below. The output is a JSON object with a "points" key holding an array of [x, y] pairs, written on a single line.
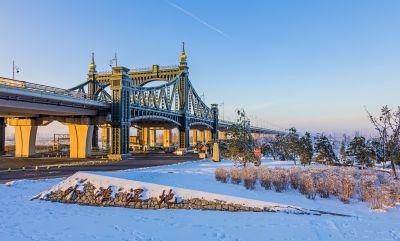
{"points": [[51, 168]]}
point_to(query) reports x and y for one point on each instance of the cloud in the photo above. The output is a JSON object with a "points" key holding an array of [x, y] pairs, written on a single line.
{"points": [[198, 19]]}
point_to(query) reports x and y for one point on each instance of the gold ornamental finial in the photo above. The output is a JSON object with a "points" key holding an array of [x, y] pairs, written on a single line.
{"points": [[92, 64], [183, 54]]}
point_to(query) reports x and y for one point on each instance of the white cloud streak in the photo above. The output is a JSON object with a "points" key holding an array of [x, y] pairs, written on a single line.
{"points": [[197, 19]]}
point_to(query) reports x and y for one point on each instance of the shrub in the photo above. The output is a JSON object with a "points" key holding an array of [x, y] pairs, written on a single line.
{"points": [[235, 174], [306, 185], [376, 201], [346, 188], [279, 179], [391, 193], [322, 186], [249, 175], [221, 175], [294, 179], [265, 177], [367, 187]]}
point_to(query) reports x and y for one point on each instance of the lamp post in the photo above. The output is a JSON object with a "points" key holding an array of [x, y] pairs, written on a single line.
{"points": [[114, 60], [15, 69], [223, 110]]}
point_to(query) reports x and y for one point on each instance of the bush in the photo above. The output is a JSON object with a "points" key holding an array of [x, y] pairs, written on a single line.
{"points": [[322, 186], [235, 174], [221, 175], [249, 175], [265, 177], [279, 179], [346, 189], [294, 177], [376, 201], [306, 185], [367, 187], [391, 193]]}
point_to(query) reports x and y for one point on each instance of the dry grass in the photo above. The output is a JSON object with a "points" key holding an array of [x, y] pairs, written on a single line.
{"points": [[249, 175], [235, 174], [377, 188], [265, 177], [221, 175], [279, 179]]}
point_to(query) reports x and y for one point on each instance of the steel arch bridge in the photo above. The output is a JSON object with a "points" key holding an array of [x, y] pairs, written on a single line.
{"points": [[174, 103]]}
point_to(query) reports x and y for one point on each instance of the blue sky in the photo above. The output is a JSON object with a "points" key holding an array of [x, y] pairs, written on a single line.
{"points": [[309, 64]]}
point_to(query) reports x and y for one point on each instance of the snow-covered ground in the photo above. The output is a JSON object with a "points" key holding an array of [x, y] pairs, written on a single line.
{"points": [[22, 219]]}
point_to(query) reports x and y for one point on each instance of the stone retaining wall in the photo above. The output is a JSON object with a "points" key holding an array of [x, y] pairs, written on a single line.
{"points": [[85, 193]]}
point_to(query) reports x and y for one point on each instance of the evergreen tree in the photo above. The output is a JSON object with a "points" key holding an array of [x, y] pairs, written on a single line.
{"points": [[306, 149], [324, 150], [343, 153], [363, 153], [241, 145], [292, 144]]}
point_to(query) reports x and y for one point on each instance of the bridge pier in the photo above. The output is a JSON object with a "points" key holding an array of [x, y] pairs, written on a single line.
{"points": [[194, 137], [167, 137], [201, 137], [95, 138], [153, 137], [2, 136], [184, 138], [25, 136], [105, 138], [208, 136], [222, 135], [81, 137], [146, 138]]}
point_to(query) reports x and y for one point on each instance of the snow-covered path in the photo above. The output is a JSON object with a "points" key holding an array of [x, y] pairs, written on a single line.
{"points": [[21, 219]]}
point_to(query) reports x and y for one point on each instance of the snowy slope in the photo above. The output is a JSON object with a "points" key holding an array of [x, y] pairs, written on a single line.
{"points": [[21, 219]]}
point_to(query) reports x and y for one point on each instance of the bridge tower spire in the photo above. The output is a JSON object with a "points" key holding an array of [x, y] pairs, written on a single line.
{"points": [[93, 86], [184, 101]]}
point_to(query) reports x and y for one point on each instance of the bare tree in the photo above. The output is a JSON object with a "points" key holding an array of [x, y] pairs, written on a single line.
{"points": [[388, 126]]}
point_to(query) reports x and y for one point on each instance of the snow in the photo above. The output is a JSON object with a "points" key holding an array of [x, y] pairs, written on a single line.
{"points": [[154, 190], [22, 219]]}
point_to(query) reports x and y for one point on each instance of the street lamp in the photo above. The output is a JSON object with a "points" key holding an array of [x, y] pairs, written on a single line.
{"points": [[223, 110], [15, 70], [114, 60]]}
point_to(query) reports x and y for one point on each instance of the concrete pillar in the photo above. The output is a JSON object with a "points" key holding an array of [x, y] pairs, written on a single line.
{"points": [[2, 136], [80, 140], [25, 136], [184, 138], [105, 138], [167, 138], [95, 138], [201, 136], [153, 137], [146, 138], [194, 137], [208, 136], [222, 135]]}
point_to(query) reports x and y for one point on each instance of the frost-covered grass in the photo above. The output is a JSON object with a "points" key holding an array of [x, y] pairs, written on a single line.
{"points": [[21, 219], [378, 188]]}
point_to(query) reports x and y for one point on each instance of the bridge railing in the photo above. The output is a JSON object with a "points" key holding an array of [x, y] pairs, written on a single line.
{"points": [[40, 88]]}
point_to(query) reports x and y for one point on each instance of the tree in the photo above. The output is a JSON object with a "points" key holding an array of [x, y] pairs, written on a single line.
{"points": [[292, 144], [343, 153], [324, 150], [240, 145], [363, 153], [388, 126], [377, 147], [305, 149]]}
